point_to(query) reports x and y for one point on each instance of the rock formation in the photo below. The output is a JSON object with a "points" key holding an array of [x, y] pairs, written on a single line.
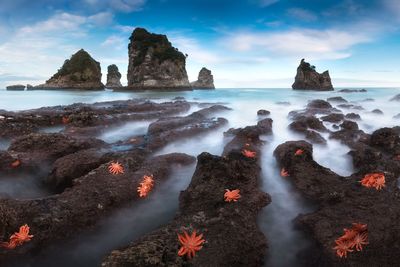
{"points": [[154, 63], [204, 81], [17, 87], [307, 78], [113, 77], [81, 71]]}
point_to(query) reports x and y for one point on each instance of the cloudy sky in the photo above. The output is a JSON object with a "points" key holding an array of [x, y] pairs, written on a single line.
{"points": [[247, 43]]}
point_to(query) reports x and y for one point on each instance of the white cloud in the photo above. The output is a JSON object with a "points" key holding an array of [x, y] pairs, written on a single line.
{"points": [[298, 43], [101, 19], [265, 3], [127, 5], [115, 41], [302, 14]]}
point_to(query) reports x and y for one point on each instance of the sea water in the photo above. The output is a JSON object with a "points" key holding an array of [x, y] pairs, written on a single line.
{"points": [[275, 220]]}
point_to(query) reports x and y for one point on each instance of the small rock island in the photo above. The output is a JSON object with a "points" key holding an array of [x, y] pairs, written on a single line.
{"points": [[307, 78], [81, 71], [113, 77], [204, 81], [154, 63]]}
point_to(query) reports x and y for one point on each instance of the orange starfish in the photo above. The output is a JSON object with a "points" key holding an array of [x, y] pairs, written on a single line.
{"points": [[376, 180], [284, 173], [115, 168], [342, 247], [15, 163], [233, 195], [355, 237], [248, 153], [145, 186], [65, 120], [190, 244], [18, 238], [299, 152]]}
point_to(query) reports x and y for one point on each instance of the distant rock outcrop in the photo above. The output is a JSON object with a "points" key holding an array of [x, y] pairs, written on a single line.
{"points": [[204, 81], [81, 71], [113, 77], [307, 78], [154, 63], [16, 87]]}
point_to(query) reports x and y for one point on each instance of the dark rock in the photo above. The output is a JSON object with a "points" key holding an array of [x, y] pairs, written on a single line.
{"points": [[333, 117], [350, 106], [395, 98], [154, 63], [113, 77], [29, 87], [81, 71], [353, 91], [318, 103], [17, 87], [386, 138], [204, 81], [283, 103], [230, 229], [263, 112], [302, 124], [315, 138], [377, 111], [308, 79], [353, 116], [349, 125], [337, 99]]}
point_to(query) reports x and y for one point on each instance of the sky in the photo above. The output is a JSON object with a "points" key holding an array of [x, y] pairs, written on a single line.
{"points": [[245, 43]]}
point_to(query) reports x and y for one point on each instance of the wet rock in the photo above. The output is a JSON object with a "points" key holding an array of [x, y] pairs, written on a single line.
{"points": [[319, 103], [173, 128], [350, 106], [337, 99], [154, 63], [302, 124], [204, 81], [29, 87], [17, 87], [353, 91], [283, 103], [349, 125], [377, 111], [368, 100], [353, 116], [334, 117], [386, 138], [308, 79], [39, 148], [230, 229], [6, 161], [263, 112], [343, 201], [91, 198], [315, 138], [395, 98], [349, 133]]}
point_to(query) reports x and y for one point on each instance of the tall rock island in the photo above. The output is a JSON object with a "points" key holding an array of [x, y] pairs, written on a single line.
{"points": [[307, 78], [204, 81], [113, 77], [81, 71], [154, 63]]}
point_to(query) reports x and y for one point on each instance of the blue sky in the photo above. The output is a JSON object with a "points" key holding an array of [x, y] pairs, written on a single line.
{"points": [[248, 43]]}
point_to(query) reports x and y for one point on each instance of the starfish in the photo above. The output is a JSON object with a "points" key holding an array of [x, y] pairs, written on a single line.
{"points": [[248, 153], [145, 186], [18, 238], [299, 152], [190, 244], [342, 247], [284, 173], [65, 120], [376, 180], [359, 240], [115, 168], [233, 195], [15, 163]]}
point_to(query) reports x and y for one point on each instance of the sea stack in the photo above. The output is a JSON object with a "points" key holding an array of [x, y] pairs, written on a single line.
{"points": [[81, 71], [307, 78], [154, 63], [113, 77], [16, 87], [205, 80]]}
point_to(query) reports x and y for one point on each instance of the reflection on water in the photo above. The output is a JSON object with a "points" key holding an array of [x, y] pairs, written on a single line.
{"points": [[120, 228], [4, 144]]}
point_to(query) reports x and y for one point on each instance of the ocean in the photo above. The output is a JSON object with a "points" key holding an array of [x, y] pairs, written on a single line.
{"points": [[275, 220]]}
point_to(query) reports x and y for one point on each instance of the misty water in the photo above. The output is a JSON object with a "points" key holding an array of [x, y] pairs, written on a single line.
{"points": [[275, 220]]}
